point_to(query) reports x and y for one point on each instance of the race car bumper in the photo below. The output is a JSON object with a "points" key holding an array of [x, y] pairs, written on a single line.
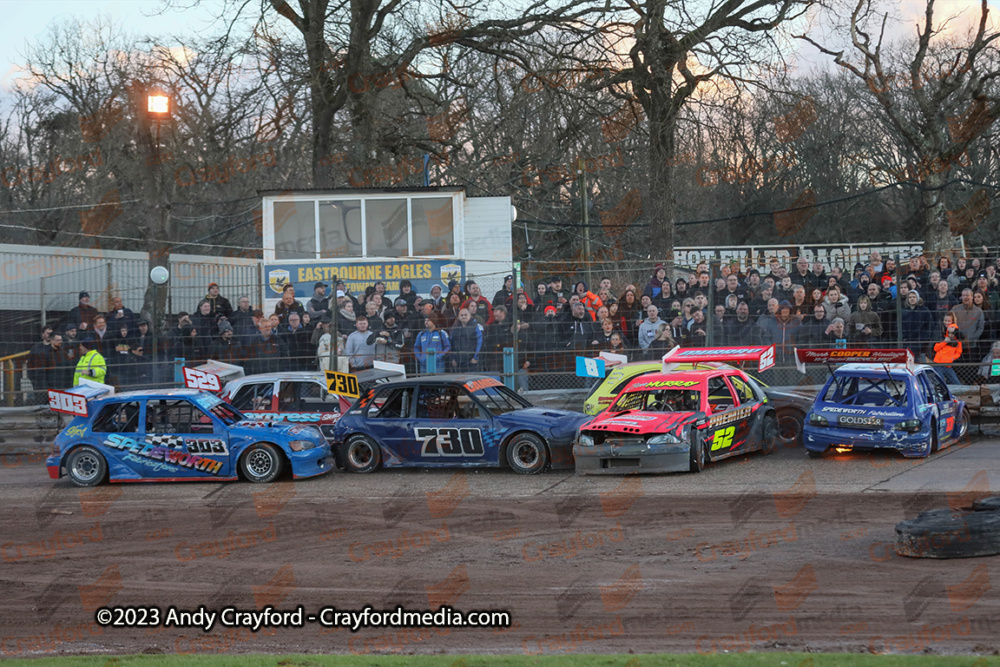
{"points": [[561, 454], [819, 439], [621, 459], [311, 462], [53, 466]]}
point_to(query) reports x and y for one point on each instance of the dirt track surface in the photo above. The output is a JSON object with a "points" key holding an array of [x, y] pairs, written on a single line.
{"points": [[771, 553]]}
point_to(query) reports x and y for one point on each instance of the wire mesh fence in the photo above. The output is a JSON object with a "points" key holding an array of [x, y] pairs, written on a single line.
{"points": [[544, 315]]}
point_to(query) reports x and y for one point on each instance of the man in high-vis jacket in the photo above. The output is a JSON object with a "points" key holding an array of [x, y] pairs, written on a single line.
{"points": [[91, 365]]}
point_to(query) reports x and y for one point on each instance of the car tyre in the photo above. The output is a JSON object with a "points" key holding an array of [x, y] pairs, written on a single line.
{"points": [[945, 534], [697, 455], [934, 440], [361, 454], [527, 454], [814, 454], [769, 435], [85, 466], [261, 463], [964, 424], [790, 428]]}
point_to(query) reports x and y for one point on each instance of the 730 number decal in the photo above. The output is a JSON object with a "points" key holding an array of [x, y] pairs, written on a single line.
{"points": [[450, 442]]}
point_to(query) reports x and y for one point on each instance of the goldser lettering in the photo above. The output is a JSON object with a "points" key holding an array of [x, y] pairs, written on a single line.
{"points": [[48, 548], [188, 551], [755, 541], [407, 541], [745, 641], [535, 551]]}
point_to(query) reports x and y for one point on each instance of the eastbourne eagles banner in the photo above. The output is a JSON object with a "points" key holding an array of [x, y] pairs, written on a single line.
{"points": [[423, 274]]}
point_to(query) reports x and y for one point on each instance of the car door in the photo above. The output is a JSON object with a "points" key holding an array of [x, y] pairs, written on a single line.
{"points": [[116, 426], [389, 420], [450, 426], [729, 422], [748, 426], [947, 407], [188, 441]]}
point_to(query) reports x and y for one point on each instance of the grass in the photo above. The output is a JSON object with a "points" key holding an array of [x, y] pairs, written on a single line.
{"points": [[575, 660]]}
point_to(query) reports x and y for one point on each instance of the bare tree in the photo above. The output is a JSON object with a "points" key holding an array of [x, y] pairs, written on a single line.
{"points": [[939, 94]]}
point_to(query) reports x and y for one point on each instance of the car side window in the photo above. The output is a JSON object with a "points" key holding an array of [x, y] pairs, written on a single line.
{"points": [[313, 397], [445, 402], [390, 404], [176, 416], [938, 387], [925, 386], [720, 398], [117, 418], [254, 396], [743, 390]]}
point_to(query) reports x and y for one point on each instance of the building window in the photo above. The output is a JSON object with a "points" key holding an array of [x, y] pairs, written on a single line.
{"points": [[433, 227], [294, 230], [386, 222], [340, 228]]}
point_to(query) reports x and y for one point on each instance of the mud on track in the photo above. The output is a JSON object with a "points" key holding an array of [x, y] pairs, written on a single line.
{"points": [[614, 565]]}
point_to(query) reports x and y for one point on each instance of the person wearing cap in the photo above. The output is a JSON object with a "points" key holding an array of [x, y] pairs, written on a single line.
{"points": [[220, 304], [407, 294], [318, 305], [226, 348], [990, 296], [555, 294], [92, 364], [83, 314], [505, 295], [949, 350], [142, 353]]}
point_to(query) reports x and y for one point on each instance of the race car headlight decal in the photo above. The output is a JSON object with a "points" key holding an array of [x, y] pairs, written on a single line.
{"points": [[910, 425], [586, 441], [664, 439], [301, 445], [818, 420]]}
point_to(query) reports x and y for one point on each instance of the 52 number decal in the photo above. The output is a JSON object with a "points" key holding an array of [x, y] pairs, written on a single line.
{"points": [[723, 438], [450, 442]]}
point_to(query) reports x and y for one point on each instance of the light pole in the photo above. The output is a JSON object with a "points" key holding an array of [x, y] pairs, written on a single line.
{"points": [[158, 108], [159, 275]]}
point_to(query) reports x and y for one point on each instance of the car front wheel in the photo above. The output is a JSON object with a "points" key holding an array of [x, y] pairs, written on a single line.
{"points": [[261, 463], [361, 454], [527, 454]]}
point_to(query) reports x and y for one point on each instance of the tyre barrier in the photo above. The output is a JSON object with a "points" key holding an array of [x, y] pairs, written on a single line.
{"points": [[943, 533]]}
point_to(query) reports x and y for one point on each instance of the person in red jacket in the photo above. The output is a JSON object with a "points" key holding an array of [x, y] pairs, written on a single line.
{"points": [[948, 351]]}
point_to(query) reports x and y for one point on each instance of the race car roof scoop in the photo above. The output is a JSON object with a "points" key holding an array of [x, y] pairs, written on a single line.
{"points": [[74, 401], [764, 356]]}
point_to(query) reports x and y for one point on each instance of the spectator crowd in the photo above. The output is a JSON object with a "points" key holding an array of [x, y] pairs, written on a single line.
{"points": [[944, 314]]}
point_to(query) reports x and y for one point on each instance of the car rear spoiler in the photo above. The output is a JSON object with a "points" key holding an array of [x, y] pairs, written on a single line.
{"points": [[74, 401], [764, 355], [845, 356], [389, 368], [211, 376]]}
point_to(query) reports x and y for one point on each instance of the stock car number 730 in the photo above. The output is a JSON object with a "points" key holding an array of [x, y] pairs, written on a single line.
{"points": [[450, 441]]}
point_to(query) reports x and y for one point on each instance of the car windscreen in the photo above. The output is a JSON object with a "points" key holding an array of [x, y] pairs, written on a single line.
{"points": [[228, 414], [500, 400], [873, 392], [658, 400]]}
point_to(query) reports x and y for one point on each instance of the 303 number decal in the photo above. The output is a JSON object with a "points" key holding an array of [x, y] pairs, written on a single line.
{"points": [[210, 447], [723, 438], [195, 379], [450, 442], [70, 404]]}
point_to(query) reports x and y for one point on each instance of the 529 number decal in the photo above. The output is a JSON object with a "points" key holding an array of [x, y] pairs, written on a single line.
{"points": [[723, 438], [450, 442], [195, 379]]}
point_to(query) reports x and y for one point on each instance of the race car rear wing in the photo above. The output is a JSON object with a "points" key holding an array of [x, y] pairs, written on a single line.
{"points": [[845, 356], [74, 401], [211, 376], [764, 356]]}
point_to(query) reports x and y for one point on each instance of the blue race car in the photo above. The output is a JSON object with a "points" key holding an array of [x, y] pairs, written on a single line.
{"points": [[456, 420], [174, 435], [895, 406]]}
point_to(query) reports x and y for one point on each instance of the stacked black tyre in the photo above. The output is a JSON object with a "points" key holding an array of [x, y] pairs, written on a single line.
{"points": [[945, 533]]}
